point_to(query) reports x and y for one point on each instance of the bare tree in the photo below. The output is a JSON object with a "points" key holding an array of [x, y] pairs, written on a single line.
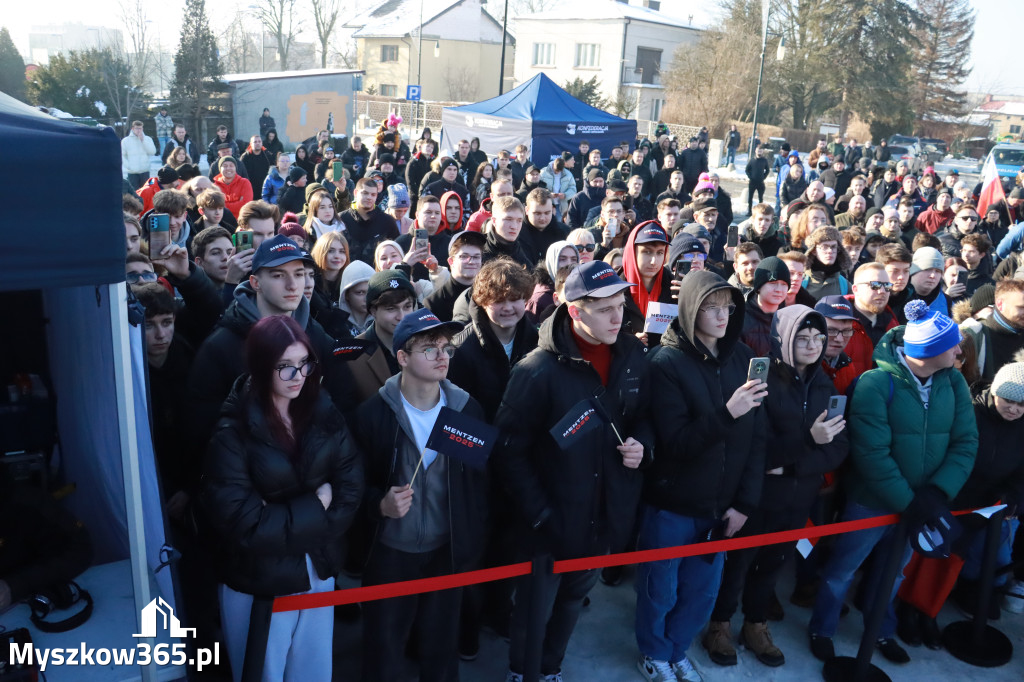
{"points": [[325, 16], [461, 82], [625, 103], [126, 90], [278, 16], [241, 50]]}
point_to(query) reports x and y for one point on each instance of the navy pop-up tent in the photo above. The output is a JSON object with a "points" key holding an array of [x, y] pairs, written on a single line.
{"points": [[65, 246], [539, 114]]}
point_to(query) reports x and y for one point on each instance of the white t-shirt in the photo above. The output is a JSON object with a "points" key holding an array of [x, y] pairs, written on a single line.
{"points": [[422, 423], [508, 347]]}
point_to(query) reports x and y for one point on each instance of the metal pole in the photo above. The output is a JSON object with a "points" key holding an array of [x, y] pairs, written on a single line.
{"points": [[419, 66], [536, 620], [504, 39], [757, 101]]}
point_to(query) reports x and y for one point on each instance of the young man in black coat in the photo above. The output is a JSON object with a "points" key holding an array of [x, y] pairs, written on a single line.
{"points": [[801, 447], [433, 525], [708, 471], [365, 224], [465, 255], [757, 172], [578, 499]]}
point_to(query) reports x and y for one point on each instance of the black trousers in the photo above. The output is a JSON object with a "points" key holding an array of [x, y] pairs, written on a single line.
{"points": [[754, 186], [755, 571], [562, 596], [387, 623]]}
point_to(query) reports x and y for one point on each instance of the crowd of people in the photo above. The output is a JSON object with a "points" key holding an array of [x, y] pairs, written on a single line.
{"points": [[314, 311]]}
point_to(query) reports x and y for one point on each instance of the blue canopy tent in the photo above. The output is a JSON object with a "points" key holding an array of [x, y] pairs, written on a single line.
{"points": [[64, 252], [539, 114]]}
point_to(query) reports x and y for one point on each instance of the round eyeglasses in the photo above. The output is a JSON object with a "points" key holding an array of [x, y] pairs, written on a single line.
{"points": [[289, 372]]}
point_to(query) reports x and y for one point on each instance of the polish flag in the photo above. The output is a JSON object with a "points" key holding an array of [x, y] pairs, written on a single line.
{"points": [[991, 187]]}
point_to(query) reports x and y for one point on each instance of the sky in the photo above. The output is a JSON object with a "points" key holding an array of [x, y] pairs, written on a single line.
{"points": [[994, 56]]}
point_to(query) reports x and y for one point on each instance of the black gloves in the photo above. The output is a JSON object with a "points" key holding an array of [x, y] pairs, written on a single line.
{"points": [[929, 504]]}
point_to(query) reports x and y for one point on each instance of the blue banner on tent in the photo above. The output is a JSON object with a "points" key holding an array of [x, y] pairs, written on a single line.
{"points": [[462, 437]]}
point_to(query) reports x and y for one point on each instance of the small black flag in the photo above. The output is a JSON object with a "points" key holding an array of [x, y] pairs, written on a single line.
{"points": [[350, 350], [581, 418], [462, 437]]}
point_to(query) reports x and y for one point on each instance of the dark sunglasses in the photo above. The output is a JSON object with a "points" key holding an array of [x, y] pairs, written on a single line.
{"points": [[586, 247]]}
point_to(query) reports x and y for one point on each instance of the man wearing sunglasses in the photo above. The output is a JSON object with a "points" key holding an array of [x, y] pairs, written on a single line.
{"points": [[433, 525], [872, 315]]}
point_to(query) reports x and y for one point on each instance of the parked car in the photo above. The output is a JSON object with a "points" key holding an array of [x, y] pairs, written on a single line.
{"points": [[1009, 158], [910, 153], [902, 140]]}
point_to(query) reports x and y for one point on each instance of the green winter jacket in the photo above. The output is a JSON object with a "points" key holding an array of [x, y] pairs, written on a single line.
{"points": [[896, 445]]}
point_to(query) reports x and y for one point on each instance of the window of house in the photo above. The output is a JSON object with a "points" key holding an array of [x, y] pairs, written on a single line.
{"points": [[588, 55], [656, 105], [1014, 130], [648, 64], [543, 54], [389, 90], [389, 53]]}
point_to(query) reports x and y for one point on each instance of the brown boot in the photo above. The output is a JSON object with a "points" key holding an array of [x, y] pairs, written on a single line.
{"points": [[718, 641], [757, 638]]}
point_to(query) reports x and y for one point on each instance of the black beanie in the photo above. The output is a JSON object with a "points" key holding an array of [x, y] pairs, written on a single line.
{"points": [[167, 176], [771, 269]]}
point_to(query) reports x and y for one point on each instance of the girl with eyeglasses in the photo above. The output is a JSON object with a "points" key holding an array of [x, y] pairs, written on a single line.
{"points": [[281, 487]]}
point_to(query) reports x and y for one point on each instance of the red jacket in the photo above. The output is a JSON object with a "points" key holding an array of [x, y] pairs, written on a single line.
{"points": [[237, 194], [843, 374], [146, 193], [932, 221], [479, 219], [860, 348]]}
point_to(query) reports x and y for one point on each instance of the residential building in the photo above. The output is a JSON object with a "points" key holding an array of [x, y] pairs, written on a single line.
{"points": [[461, 49], [1003, 115], [626, 45], [53, 39]]}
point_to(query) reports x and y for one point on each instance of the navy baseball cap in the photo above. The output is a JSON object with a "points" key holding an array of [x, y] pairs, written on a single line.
{"points": [[835, 308], [417, 322], [595, 279], [649, 232], [278, 250]]}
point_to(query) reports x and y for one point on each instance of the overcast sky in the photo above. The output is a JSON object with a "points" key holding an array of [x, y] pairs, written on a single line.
{"points": [[994, 56]]}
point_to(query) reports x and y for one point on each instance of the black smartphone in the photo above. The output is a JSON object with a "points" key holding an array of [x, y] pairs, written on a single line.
{"points": [[242, 240], [733, 239], [758, 370], [682, 268], [961, 277], [836, 407]]}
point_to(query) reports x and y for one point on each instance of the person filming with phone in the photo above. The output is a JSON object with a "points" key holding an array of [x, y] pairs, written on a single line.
{"points": [[805, 440], [709, 469]]}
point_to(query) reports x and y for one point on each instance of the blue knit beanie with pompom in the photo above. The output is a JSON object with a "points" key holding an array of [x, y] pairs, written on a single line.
{"points": [[928, 333]]}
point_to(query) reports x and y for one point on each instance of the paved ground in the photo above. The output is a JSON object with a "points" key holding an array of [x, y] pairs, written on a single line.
{"points": [[603, 649]]}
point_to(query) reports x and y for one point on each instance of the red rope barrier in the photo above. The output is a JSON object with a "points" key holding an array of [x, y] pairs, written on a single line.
{"points": [[355, 595]]}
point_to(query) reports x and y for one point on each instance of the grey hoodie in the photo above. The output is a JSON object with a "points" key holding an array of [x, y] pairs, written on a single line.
{"points": [[427, 525]]}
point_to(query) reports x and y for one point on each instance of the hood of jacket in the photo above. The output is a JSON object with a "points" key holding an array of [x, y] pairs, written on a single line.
{"points": [[445, 225], [785, 324], [242, 313], [391, 392], [696, 286]]}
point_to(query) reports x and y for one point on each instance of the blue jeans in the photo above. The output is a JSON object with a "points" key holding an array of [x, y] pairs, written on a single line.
{"points": [[674, 598], [730, 155], [163, 143], [848, 553], [976, 552]]}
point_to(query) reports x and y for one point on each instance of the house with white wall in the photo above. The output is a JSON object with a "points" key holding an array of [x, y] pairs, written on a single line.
{"points": [[625, 43]]}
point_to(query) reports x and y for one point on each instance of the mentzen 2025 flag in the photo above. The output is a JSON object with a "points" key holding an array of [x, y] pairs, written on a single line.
{"points": [[581, 418], [462, 437]]}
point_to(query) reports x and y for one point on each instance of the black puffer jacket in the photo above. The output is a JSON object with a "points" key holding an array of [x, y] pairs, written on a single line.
{"points": [[495, 247], [480, 366], [999, 467], [706, 461], [263, 507], [793, 404], [581, 501], [792, 189], [757, 327]]}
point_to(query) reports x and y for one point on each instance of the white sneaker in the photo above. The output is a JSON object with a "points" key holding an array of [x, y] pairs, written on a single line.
{"points": [[1013, 600], [557, 677], [513, 677], [655, 671], [685, 672]]}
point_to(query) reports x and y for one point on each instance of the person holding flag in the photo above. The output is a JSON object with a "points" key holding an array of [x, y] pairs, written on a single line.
{"points": [[428, 509], [576, 431], [991, 187]]}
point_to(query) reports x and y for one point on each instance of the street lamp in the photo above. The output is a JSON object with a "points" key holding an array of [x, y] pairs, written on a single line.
{"points": [[780, 54]]}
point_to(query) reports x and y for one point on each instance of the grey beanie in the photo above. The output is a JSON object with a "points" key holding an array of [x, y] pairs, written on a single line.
{"points": [[1008, 383]]}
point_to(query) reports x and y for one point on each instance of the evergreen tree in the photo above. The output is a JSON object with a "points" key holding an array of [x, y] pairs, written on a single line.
{"points": [[586, 91], [941, 50], [76, 82], [196, 65], [12, 67]]}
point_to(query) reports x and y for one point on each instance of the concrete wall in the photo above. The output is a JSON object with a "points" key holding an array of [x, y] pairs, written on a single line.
{"points": [[300, 105]]}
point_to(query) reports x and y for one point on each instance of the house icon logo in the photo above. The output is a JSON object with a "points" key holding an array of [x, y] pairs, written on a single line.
{"points": [[570, 128], [168, 621]]}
